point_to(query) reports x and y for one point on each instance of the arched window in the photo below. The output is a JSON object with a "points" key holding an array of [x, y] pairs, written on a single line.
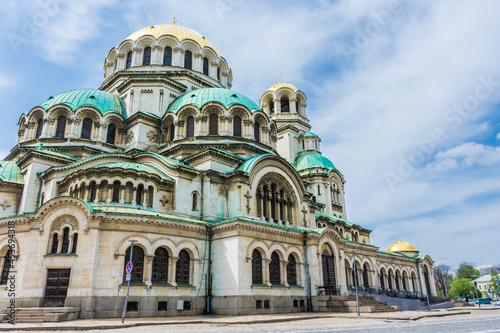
{"points": [[413, 281], [285, 104], [6, 267], [403, 280], [256, 267], [195, 201], [264, 201], [39, 128], [129, 60], [218, 74], [61, 127], [188, 60], [65, 241], [303, 144], [256, 132], [205, 66], [427, 281], [328, 266], [291, 271], [382, 282], [86, 128], [366, 284], [93, 191], [160, 266], [275, 269], [190, 127], [167, 56], [271, 107], [182, 268], [110, 136], [139, 194], [116, 192], [237, 126], [149, 198], [172, 132], [397, 281], [213, 124], [75, 242], [137, 263], [389, 280], [146, 60]]}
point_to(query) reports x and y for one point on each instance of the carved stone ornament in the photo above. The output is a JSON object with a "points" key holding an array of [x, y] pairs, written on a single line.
{"points": [[152, 136], [65, 220], [164, 200], [5, 204], [130, 136]]}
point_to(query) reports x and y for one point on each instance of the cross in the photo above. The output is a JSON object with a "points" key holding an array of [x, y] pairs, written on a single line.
{"points": [[174, 21], [305, 212], [281, 78], [5, 204], [399, 237], [248, 196], [164, 200]]}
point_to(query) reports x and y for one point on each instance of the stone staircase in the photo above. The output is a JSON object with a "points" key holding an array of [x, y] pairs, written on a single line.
{"points": [[40, 315], [367, 304]]}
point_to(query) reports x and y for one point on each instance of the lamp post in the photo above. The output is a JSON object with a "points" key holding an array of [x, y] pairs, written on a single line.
{"points": [[132, 241], [355, 279], [443, 277]]}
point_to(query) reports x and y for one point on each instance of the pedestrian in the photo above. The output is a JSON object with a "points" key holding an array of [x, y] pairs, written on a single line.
{"points": [[467, 299]]}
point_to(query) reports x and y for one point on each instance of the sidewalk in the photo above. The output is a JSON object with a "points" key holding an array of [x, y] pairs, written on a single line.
{"points": [[101, 324]]}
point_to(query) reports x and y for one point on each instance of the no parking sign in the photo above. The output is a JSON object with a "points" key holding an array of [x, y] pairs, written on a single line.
{"points": [[128, 270]]}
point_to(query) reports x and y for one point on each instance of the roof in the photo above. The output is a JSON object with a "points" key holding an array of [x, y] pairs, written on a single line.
{"points": [[307, 134], [484, 278], [103, 101], [401, 246], [204, 96], [10, 172], [331, 217], [248, 164], [136, 167], [313, 160], [280, 85], [177, 31]]}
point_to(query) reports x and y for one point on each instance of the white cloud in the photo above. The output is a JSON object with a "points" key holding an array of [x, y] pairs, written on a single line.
{"points": [[498, 136], [469, 154]]}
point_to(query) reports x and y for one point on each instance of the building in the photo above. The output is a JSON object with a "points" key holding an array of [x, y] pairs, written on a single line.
{"points": [[484, 285], [231, 203]]}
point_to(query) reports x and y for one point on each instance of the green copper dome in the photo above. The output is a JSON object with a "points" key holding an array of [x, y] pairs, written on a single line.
{"points": [[307, 134], [135, 166], [10, 172], [313, 160], [204, 96], [103, 101]]}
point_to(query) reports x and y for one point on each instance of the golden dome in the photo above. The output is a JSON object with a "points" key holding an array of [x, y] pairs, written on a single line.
{"points": [[283, 85], [176, 31], [401, 246]]}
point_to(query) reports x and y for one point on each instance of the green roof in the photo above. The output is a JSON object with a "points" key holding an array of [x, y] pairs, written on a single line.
{"points": [[248, 164], [204, 96], [10, 172], [103, 101], [135, 166], [331, 217], [313, 160], [307, 134]]}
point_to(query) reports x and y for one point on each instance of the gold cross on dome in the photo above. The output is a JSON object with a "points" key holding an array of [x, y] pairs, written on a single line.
{"points": [[174, 21], [281, 78], [399, 237]]}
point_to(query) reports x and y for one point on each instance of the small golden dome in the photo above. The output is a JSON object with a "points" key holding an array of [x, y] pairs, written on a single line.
{"points": [[401, 246], [283, 85], [174, 30]]}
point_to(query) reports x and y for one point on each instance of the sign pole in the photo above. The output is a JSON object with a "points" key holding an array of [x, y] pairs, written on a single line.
{"points": [[128, 278]]}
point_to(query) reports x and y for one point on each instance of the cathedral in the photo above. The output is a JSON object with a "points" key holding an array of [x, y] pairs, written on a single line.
{"points": [[227, 206]]}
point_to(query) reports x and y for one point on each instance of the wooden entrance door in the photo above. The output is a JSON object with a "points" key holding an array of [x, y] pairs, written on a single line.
{"points": [[57, 287]]}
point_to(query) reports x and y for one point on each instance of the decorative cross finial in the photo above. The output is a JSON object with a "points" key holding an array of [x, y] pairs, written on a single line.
{"points": [[399, 238], [174, 21], [281, 78]]}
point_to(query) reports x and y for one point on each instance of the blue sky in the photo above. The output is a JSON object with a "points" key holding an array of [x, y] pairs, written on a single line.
{"points": [[405, 95]]}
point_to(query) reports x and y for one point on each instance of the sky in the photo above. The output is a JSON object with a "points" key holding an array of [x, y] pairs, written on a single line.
{"points": [[405, 95]]}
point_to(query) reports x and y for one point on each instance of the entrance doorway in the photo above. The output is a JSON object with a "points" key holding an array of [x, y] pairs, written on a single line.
{"points": [[57, 287]]}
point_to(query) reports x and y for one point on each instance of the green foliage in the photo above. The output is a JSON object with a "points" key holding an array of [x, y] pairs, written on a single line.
{"points": [[467, 271], [461, 287], [493, 284]]}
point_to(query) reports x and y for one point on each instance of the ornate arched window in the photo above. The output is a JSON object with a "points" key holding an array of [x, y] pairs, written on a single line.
{"points": [[213, 124], [172, 132], [366, 283], [65, 241], [256, 267], [188, 60], [7, 264], [205, 66], [75, 243], [110, 136], [139, 195], [137, 263], [291, 271], [93, 191], [397, 280], [256, 132], [403, 281], [275, 199], [285, 104], [389, 280], [413, 281], [39, 128], [382, 281], [167, 56], [61, 127], [237, 126], [116, 192], [129, 60], [86, 128], [182, 268], [275, 269], [190, 127], [149, 196], [55, 243], [146, 59], [195, 201], [328, 266], [160, 266], [271, 107]]}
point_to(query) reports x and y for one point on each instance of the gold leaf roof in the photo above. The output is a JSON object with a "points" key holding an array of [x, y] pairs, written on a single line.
{"points": [[401, 246]]}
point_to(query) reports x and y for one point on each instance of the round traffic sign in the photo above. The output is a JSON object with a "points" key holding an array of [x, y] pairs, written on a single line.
{"points": [[128, 267]]}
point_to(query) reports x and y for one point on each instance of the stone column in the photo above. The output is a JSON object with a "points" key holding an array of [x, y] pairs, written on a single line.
{"points": [[293, 105], [277, 105], [198, 62], [156, 55], [176, 57], [120, 65], [179, 131], [172, 262], [265, 271], [284, 278], [136, 56]]}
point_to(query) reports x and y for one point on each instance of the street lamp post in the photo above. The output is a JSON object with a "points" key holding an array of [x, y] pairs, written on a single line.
{"points": [[355, 279], [132, 241]]}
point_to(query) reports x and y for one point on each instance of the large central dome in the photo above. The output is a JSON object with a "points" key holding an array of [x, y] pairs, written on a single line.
{"points": [[177, 31]]}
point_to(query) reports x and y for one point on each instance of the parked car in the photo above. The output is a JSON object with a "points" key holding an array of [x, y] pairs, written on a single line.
{"points": [[460, 299], [482, 301]]}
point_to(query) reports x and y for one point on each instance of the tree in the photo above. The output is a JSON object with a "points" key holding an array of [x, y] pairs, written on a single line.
{"points": [[493, 283], [467, 271], [443, 278], [461, 287]]}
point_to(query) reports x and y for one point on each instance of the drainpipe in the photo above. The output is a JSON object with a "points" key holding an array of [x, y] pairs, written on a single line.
{"points": [[208, 309], [309, 302], [201, 194]]}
